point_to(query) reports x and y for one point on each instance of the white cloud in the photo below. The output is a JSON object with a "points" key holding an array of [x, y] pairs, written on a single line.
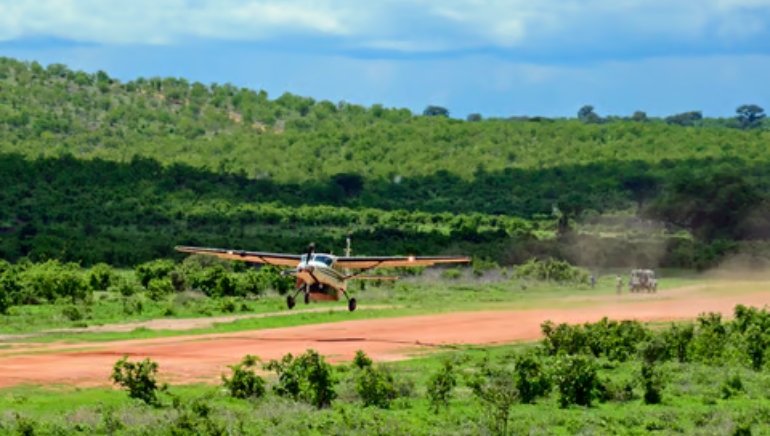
{"points": [[398, 25]]}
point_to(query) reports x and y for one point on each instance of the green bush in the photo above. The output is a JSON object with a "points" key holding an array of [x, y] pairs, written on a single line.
{"points": [[441, 384], [139, 378], [361, 360], [244, 382], [551, 270], [155, 269], [652, 383], [101, 277], [308, 378], [532, 381], [375, 386], [495, 387], [576, 380], [158, 289], [679, 339], [710, 339]]}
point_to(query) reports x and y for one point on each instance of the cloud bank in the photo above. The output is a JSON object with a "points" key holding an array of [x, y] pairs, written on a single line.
{"points": [[540, 30]]}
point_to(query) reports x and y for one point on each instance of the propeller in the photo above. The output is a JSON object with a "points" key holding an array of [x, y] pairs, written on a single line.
{"points": [[310, 249]]}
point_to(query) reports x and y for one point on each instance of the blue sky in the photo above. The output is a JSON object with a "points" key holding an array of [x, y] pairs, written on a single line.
{"points": [[494, 57]]}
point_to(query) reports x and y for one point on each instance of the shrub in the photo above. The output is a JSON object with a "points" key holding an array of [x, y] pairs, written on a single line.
{"points": [[156, 269], [441, 384], [563, 339], [531, 380], [251, 282], [124, 286], [307, 378], [452, 273], [376, 387], [75, 313], [652, 383], [709, 342], [731, 386], [654, 350], [101, 277], [617, 390], [132, 305], [679, 339], [756, 342], [53, 280], [495, 387], [576, 379], [361, 360], [139, 379], [158, 289], [245, 383], [551, 270], [178, 280]]}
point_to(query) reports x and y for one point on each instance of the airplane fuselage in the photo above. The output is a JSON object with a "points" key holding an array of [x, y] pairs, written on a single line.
{"points": [[327, 282]]}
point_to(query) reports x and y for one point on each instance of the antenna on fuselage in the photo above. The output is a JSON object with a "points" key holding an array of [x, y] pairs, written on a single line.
{"points": [[347, 245], [347, 251]]}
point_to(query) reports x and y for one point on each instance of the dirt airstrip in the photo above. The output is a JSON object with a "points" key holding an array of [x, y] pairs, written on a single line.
{"points": [[203, 358]]}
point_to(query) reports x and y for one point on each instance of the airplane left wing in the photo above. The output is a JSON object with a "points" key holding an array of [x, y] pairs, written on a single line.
{"points": [[368, 262], [246, 256]]}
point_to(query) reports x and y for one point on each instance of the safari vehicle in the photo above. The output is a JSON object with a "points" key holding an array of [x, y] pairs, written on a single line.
{"points": [[642, 279]]}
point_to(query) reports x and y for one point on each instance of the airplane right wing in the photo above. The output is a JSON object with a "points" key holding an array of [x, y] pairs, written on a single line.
{"points": [[281, 259]]}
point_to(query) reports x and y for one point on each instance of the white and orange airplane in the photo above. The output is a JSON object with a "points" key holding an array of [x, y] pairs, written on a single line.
{"points": [[323, 276]]}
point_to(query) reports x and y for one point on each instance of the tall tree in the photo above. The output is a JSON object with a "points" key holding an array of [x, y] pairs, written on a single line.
{"points": [[749, 116]]}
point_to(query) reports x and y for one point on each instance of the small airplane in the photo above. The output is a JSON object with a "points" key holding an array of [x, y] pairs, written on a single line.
{"points": [[324, 276]]}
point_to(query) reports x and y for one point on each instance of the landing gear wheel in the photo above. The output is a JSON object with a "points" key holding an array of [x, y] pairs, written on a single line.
{"points": [[307, 298], [290, 301], [352, 304]]}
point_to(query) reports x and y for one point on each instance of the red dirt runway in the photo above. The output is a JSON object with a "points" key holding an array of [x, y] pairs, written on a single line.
{"points": [[205, 357]]}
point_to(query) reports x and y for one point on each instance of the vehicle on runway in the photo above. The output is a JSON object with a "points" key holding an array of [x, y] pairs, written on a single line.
{"points": [[324, 276]]}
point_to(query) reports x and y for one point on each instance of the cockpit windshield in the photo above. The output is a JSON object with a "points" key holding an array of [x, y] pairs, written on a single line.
{"points": [[326, 260], [303, 259]]}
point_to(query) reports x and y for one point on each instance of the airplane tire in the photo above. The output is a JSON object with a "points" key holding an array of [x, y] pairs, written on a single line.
{"points": [[307, 298], [290, 301], [352, 304]]}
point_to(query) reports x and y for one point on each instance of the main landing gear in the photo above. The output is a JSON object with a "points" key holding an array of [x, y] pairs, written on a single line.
{"points": [[291, 300]]}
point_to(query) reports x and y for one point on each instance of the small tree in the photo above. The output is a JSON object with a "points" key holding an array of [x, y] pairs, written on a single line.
{"points": [[531, 380], [245, 383], [376, 387], [361, 360], [496, 388], [441, 384], [577, 380], [139, 379], [307, 378], [652, 383]]}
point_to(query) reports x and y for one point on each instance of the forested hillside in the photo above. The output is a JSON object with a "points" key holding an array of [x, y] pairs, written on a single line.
{"points": [[95, 170]]}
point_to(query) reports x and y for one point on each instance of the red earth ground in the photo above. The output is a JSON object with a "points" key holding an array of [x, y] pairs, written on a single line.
{"points": [[203, 358]]}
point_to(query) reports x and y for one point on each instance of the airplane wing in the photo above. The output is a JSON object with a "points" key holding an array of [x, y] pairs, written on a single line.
{"points": [[368, 262], [246, 256]]}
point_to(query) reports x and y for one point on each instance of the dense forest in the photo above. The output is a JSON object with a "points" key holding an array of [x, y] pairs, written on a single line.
{"points": [[96, 170]]}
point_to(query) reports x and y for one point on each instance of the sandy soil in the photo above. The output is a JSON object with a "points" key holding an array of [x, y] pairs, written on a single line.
{"points": [[205, 357]]}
